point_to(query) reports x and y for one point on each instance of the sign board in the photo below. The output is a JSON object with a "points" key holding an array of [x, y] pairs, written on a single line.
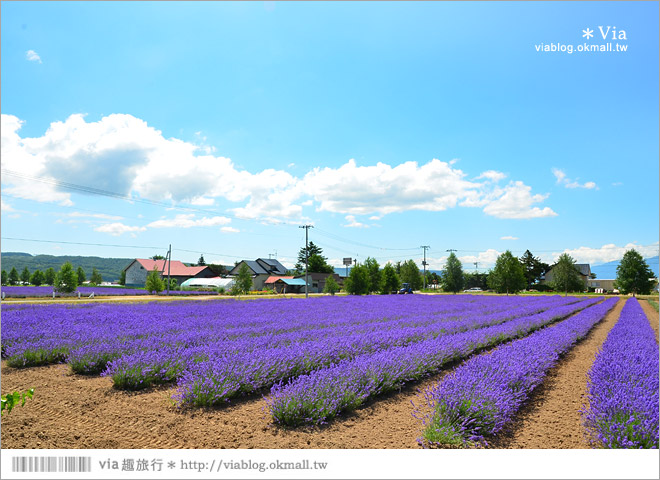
{"points": [[348, 261]]}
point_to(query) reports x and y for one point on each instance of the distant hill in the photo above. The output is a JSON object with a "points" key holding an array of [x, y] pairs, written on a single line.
{"points": [[608, 270], [109, 268]]}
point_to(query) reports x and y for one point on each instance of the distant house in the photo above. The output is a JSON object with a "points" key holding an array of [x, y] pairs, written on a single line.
{"points": [[601, 285], [285, 284], [584, 270], [260, 269], [138, 269], [317, 281]]}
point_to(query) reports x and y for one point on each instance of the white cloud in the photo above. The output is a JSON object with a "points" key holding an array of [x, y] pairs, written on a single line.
{"points": [[5, 207], [516, 201], [508, 237], [560, 175], [352, 223], [607, 253], [102, 216], [32, 56], [230, 230], [116, 229], [188, 220], [121, 153], [492, 175]]}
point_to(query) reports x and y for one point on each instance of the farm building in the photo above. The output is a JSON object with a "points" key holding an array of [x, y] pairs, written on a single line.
{"points": [[584, 270], [285, 284], [260, 269], [211, 282], [138, 269], [601, 285], [317, 281]]}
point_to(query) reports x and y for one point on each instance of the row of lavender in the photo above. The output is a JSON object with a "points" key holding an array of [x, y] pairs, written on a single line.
{"points": [[38, 292], [217, 350], [479, 397], [322, 394], [623, 385]]}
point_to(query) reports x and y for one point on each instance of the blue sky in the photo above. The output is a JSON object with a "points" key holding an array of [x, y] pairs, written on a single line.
{"points": [[220, 128]]}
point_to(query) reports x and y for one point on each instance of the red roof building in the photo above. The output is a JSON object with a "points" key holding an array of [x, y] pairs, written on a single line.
{"points": [[138, 269]]}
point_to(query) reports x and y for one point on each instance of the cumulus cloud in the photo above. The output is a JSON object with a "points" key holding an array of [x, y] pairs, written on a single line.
{"points": [[188, 220], [562, 179], [352, 223], [123, 154], [32, 56], [116, 229], [515, 201], [607, 253], [508, 237], [229, 230]]}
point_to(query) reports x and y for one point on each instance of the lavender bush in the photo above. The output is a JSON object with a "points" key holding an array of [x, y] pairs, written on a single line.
{"points": [[479, 397], [623, 385]]}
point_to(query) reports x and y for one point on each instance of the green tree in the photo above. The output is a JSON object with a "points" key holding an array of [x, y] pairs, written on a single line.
{"points": [[318, 264], [533, 268], [357, 282], [96, 277], [508, 275], [374, 274], [452, 278], [173, 283], [565, 275], [50, 276], [81, 275], [243, 282], [13, 276], [25, 275], [122, 277], [476, 279], [410, 274], [5, 277], [390, 281], [331, 286], [154, 283], [158, 257], [633, 274], [66, 280], [37, 278], [201, 262]]}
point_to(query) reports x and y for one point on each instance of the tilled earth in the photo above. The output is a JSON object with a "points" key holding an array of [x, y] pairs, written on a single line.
{"points": [[70, 411]]}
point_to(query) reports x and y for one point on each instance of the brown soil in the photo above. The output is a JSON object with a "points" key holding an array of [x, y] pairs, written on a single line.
{"points": [[73, 411], [551, 418], [652, 315]]}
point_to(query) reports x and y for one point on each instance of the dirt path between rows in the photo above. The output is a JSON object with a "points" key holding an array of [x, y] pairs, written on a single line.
{"points": [[652, 315], [551, 418]]}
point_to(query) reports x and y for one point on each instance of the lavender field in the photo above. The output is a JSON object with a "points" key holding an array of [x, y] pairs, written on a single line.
{"points": [[312, 363], [47, 291]]}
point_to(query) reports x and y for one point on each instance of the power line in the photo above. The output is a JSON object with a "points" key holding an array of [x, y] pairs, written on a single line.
{"points": [[82, 243], [353, 242]]}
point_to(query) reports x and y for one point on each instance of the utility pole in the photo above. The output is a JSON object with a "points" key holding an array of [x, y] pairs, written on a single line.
{"points": [[424, 265], [476, 266], [306, 227]]}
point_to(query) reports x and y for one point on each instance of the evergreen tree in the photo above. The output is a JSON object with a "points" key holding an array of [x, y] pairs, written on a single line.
{"points": [[5, 277], [633, 274], [390, 281], [25, 276], [201, 262], [316, 262], [452, 278], [96, 277], [331, 286], [154, 283], [374, 274], [410, 274], [243, 282], [508, 275], [66, 280], [81, 275], [37, 278], [158, 257], [13, 276], [358, 281], [565, 275], [50, 276], [476, 279], [533, 268]]}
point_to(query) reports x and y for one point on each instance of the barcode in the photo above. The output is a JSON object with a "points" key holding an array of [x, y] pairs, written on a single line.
{"points": [[51, 464]]}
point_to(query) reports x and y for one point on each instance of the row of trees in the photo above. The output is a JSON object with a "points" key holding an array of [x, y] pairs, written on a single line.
{"points": [[48, 277]]}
